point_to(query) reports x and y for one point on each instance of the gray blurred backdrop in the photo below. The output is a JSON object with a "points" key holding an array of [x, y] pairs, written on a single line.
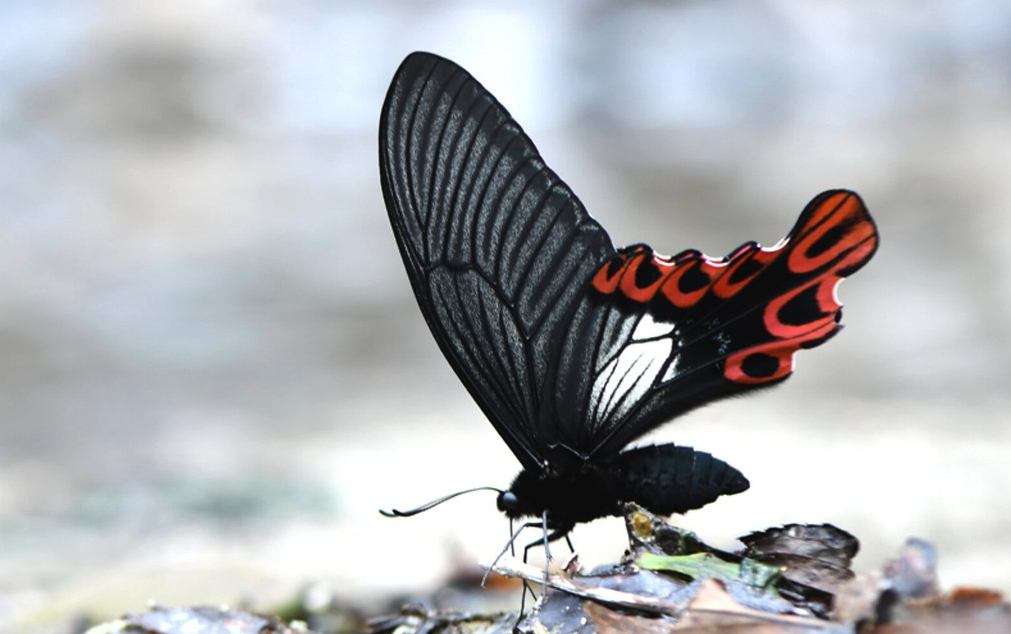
{"points": [[212, 368]]}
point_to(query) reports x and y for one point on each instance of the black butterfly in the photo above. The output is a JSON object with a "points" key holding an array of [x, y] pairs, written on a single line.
{"points": [[571, 348]]}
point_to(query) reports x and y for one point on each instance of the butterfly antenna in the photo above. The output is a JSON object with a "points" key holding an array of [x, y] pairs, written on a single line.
{"points": [[433, 503]]}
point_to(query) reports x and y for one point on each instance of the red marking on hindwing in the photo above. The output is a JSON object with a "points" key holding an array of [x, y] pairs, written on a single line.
{"points": [[629, 279], [605, 283], [781, 351], [622, 274], [672, 287], [726, 286], [826, 303], [839, 212]]}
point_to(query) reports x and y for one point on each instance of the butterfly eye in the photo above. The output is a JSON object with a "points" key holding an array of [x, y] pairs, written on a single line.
{"points": [[507, 501]]}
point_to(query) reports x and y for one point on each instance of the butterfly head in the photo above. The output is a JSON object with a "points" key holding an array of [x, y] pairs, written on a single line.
{"points": [[508, 503]]}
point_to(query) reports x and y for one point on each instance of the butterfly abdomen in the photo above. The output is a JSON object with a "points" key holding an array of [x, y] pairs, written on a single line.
{"points": [[669, 479]]}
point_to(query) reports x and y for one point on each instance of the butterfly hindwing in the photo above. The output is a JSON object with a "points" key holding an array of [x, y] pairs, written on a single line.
{"points": [[671, 333], [775, 301], [497, 247]]}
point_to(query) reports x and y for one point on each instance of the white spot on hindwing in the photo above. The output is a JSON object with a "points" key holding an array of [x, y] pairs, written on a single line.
{"points": [[625, 379], [649, 328]]}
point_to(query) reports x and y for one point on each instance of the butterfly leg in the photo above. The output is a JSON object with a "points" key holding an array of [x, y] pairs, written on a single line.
{"points": [[510, 546], [550, 533], [526, 550], [547, 553], [545, 539]]}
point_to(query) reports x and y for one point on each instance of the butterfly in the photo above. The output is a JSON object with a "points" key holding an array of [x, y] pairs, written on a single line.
{"points": [[570, 347]]}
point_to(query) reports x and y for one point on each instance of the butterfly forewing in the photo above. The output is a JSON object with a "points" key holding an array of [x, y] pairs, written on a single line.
{"points": [[497, 247]]}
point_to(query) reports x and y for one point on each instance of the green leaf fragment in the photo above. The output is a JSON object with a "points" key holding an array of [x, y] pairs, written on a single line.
{"points": [[707, 565]]}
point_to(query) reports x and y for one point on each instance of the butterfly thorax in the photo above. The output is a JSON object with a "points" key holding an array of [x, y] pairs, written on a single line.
{"points": [[578, 494]]}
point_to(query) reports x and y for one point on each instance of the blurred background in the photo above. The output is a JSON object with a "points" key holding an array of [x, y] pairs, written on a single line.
{"points": [[212, 368]]}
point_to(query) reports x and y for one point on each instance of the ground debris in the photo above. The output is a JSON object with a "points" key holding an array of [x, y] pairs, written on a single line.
{"points": [[415, 619], [197, 620], [794, 579], [789, 579]]}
